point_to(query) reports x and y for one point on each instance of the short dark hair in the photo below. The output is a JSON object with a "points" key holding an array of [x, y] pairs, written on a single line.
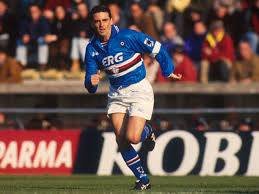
{"points": [[34, 5], [100, 8]]}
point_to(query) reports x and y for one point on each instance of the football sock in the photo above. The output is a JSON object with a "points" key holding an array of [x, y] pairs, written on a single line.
{"points": [[132, 160], [146, 131]]}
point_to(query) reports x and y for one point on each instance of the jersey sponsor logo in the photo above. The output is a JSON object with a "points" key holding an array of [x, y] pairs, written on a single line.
{"points": [[110, 60], [149, 42]]}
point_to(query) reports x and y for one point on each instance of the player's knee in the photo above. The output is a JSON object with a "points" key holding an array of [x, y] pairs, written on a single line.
{"points": [[133, 138]]}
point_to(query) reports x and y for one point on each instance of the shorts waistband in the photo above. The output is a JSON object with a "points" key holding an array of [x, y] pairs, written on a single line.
{"points": [[121, 87]]}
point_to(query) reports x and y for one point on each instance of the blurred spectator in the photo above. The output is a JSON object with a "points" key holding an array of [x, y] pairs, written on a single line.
{"points": [[232, 121], [152, 67], [24, 5], [217, 54], [245, 69], [176, 9], [143, 20], [184, 65], [224, 125], [158, 15], [33, 32], [43, 122], [170, 37], [59, 38], [198, 123], [240, 25], [193, 43], [246, 125], [118, 17], [50, 5], [193, 15], [74, 4], [81, 37], [221, 13], [10, 71], [8, 28], [230, 4], [253, 18]]}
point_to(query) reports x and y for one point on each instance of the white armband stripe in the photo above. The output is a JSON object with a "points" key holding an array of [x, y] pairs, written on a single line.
{"points": [[156, 49]]}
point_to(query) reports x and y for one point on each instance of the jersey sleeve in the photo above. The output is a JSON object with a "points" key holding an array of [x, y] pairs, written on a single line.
{"points": [[144, 44], [91, 68]]}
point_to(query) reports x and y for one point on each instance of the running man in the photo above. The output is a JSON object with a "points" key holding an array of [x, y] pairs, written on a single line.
{"points": [[131, 99]]}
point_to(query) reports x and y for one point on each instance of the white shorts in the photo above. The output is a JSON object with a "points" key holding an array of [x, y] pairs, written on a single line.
{"points": [[135, 100]]}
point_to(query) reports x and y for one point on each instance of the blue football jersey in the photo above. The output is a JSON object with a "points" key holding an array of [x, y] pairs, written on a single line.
{"points": [[122, 58]]}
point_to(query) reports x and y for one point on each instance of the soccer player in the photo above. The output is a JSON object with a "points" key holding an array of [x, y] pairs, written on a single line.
{"points": [[131, 99]]}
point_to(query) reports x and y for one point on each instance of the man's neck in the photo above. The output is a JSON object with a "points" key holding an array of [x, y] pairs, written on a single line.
{"points": [[107, 37]]}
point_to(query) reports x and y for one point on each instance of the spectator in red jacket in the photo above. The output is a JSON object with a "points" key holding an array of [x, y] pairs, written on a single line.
{"points": [[217, 54], [184, 65]]}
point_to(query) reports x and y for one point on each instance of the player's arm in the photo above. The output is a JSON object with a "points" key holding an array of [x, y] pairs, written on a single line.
{"points": [[92, 74], [144, 44]]}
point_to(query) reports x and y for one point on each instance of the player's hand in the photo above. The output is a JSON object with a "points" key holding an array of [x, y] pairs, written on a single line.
{"points": [[95, 79], [176, 77]]}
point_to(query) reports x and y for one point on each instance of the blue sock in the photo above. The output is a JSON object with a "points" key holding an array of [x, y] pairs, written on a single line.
{"points": [[132, 160], [146, 131]]}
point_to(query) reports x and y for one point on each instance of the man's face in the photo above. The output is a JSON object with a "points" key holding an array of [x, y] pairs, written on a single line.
{"points": [[35, 13], [60, 13], [245, 50], [216, 32], [82, 10], [221, 12], [136, 11], [199, 28], [195, 16], [2, 57], [169, 30], [3, 8], [178, 58], [102, 24]]}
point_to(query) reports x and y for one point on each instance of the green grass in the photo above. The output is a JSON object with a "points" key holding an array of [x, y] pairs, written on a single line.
{"points": [[123, 184]]}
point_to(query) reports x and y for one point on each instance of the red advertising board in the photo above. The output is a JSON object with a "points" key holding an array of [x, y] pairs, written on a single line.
{"points": [[38, 152]]}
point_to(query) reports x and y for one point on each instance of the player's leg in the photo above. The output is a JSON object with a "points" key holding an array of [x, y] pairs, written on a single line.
{"points": [[138, 130], [129, 154], [119, 121], [135, 129], [134, 133]]}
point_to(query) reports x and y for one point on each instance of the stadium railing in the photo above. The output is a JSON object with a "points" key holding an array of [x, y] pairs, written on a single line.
{"points": [[156, 111]]}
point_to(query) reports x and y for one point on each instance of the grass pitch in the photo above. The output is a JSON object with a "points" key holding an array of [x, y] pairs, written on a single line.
{"points": [[78, 184]]}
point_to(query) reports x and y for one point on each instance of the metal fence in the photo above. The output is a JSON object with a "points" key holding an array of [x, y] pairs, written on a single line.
{"points": [[156, 111]]}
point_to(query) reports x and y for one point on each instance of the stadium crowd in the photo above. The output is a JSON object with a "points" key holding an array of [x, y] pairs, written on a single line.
{"points": [[195, 122], [212, 40]]}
